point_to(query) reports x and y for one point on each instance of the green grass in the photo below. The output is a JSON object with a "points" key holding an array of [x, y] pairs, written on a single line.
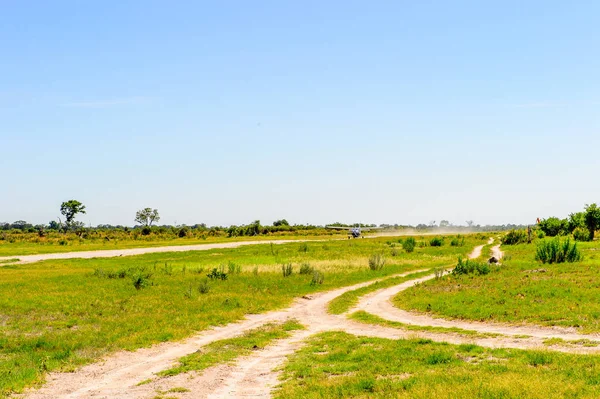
{"points": [[347, 300], [339, 365], [368, 318], [60, 314], [564, 295], [226, 350]]}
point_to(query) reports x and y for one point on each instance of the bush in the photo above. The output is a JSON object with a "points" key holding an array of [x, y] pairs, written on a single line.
{"points": [[183, 232], [217, 274], [554, 226], [457, 241], [141, 278], [557, 251], [470, 267], [306, 268], [376, 262], [436, 242], [409, 244], [514, 237], [581, 234], [146, 230], [287, 270]]}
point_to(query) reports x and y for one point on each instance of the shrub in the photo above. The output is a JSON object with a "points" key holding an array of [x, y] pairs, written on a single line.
{"points": [[541, 234], [217, 274], [306, 268], [141, 278], [409, 244], [436, 242], [457, 241], [146, 230], [557, 251], [376, 262], [303, 247], [287, 270], [514, 237], [581, 234], [554, 226], [394, 251], [183, 232], [470, 267], [317, 278]]}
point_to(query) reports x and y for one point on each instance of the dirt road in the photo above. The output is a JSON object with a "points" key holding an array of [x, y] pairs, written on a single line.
{"points": [[112, 253]]}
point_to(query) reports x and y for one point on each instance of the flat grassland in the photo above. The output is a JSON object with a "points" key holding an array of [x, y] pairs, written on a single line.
{"points": [[521, 290], [340, 365], [60, 314]]}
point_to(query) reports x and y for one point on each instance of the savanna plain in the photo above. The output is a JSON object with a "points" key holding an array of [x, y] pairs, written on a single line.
{"points": [[59, 317]]}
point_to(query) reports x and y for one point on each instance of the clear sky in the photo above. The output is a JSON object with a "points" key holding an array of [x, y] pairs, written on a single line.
{"points": [[225, 112]]}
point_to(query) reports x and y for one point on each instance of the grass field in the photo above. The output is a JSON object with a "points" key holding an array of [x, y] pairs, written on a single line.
{"points": [[523, 289], [58, 315], [339, 365]]}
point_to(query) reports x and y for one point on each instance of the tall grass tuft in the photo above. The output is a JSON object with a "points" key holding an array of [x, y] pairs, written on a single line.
{"points": [[287, 270], [317, 278], [376, 262], [306, 268], [557, 251]]}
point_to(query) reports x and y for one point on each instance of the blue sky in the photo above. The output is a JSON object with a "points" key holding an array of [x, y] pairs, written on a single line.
{"points": [[231, 111]]}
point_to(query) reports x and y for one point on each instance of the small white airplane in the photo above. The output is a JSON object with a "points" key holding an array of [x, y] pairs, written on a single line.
{"points": [[354, 232]]}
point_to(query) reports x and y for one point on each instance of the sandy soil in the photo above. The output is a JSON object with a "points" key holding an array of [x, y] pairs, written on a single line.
{"points": [[118, 375]]}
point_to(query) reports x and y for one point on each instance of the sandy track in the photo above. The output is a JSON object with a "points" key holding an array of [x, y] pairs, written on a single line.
{"points": [[256, 375], [112, 253]]}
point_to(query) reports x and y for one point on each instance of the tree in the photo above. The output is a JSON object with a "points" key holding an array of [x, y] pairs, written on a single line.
{"points": [[281, 222], [554, 226], [70, 209], [147, 216], [444, 223], [469, 223], [592, 219]]}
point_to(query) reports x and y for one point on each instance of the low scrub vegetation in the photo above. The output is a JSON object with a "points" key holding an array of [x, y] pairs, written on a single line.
{"points": [[471, 267], [409, 244], [557, 251], [436, 242], [514, 237]]}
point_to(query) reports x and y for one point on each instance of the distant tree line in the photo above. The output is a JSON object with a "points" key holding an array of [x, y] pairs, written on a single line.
{"points": [[582, 225], [147, 219]]}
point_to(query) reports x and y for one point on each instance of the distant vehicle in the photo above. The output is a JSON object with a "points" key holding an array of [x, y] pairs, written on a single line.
{"points": [[354, 232]]}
